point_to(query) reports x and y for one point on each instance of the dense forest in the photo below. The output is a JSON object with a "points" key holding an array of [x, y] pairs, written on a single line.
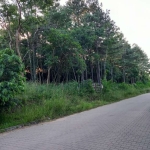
{"points": [[78, 41]]}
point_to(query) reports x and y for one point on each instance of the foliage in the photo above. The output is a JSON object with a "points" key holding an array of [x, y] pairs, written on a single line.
{"points": [[11, 76], [78, 41], [70, 47], [63, 52], [44, 102], [86, 87]]}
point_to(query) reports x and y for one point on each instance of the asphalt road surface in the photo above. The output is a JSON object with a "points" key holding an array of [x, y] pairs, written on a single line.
{"points": [[123, 125]]}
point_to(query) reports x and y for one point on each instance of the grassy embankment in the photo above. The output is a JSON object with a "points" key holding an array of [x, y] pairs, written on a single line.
{"points": [[42, 102]]}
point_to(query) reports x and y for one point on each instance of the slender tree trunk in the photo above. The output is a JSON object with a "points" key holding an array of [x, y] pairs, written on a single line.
{"points": [[67, 78], [92, 72], [112, 76], [104, 70], [98, 68], [34, 62], [133, 80], [124, 78], [101, 68], [78, 78], [9, 33], [30, 58], [34, 48], [10, 42], [98, 73], [86, 73], [17, 44], [74, 73], [48, 76], [57, 74], [82, 76], [105, 61], [18, 31]]}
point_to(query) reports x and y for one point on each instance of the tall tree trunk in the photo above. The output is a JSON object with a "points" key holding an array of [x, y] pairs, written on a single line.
{"points": [[105, 70], [105, 61], [67, 77], [78, 78], [18, 43], [34, 48], [9, 33], [34, 62], [10, 42], [86, 73], [48, 76], [74, 74], [82, 76], [101, 68], [30, 57], [92, 72], [98, 73], [124, 76], [112, 76], [18, 31], [98, 67]]}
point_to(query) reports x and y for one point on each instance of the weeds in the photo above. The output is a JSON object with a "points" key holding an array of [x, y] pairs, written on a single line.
{"points": [[39, 102]]}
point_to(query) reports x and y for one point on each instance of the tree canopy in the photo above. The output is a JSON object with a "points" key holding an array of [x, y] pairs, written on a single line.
{"points": [[77, 41]]}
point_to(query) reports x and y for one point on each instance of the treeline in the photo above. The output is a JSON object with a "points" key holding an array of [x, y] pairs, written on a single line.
{"points": [[78, 41]]}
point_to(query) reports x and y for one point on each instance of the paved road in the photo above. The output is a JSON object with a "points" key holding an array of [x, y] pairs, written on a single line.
{"points": [[120, 126]]}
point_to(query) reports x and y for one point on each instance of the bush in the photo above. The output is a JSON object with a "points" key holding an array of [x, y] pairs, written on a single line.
{"points": [[11, 76], [86, 87], [109, 86], [41, 102]]}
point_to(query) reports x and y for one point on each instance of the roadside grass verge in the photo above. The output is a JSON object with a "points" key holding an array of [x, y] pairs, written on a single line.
{"points": [[41, 102]]}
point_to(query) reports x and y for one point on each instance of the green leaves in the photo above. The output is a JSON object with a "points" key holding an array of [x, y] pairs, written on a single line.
{"points": [[11, 79], [76, 41], [62, 50]]}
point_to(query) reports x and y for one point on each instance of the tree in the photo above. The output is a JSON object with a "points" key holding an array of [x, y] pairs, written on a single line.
{"points": [[11, 76], [22, 20], [62, 53], [78, 41]]}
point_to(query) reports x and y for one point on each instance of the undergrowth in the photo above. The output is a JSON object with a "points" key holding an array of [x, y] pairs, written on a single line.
{"points": [[47, 102]]}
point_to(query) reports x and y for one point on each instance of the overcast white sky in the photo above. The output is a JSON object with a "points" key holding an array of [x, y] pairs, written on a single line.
{"points": [[133, 18]]}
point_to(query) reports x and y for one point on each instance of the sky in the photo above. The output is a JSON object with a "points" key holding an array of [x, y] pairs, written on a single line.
{"points": [[133, 19]]}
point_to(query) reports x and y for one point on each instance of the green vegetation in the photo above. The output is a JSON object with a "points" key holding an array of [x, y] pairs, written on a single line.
{"points": [[78, 41], [11, 76], [59, 44], [44, 102]]}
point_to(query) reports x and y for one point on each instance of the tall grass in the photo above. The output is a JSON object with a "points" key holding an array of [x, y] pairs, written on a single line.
{"points": [[42, 102]]}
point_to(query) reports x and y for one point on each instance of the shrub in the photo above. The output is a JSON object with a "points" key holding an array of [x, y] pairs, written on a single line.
{"points": [[86, 86], [11, 76]]}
